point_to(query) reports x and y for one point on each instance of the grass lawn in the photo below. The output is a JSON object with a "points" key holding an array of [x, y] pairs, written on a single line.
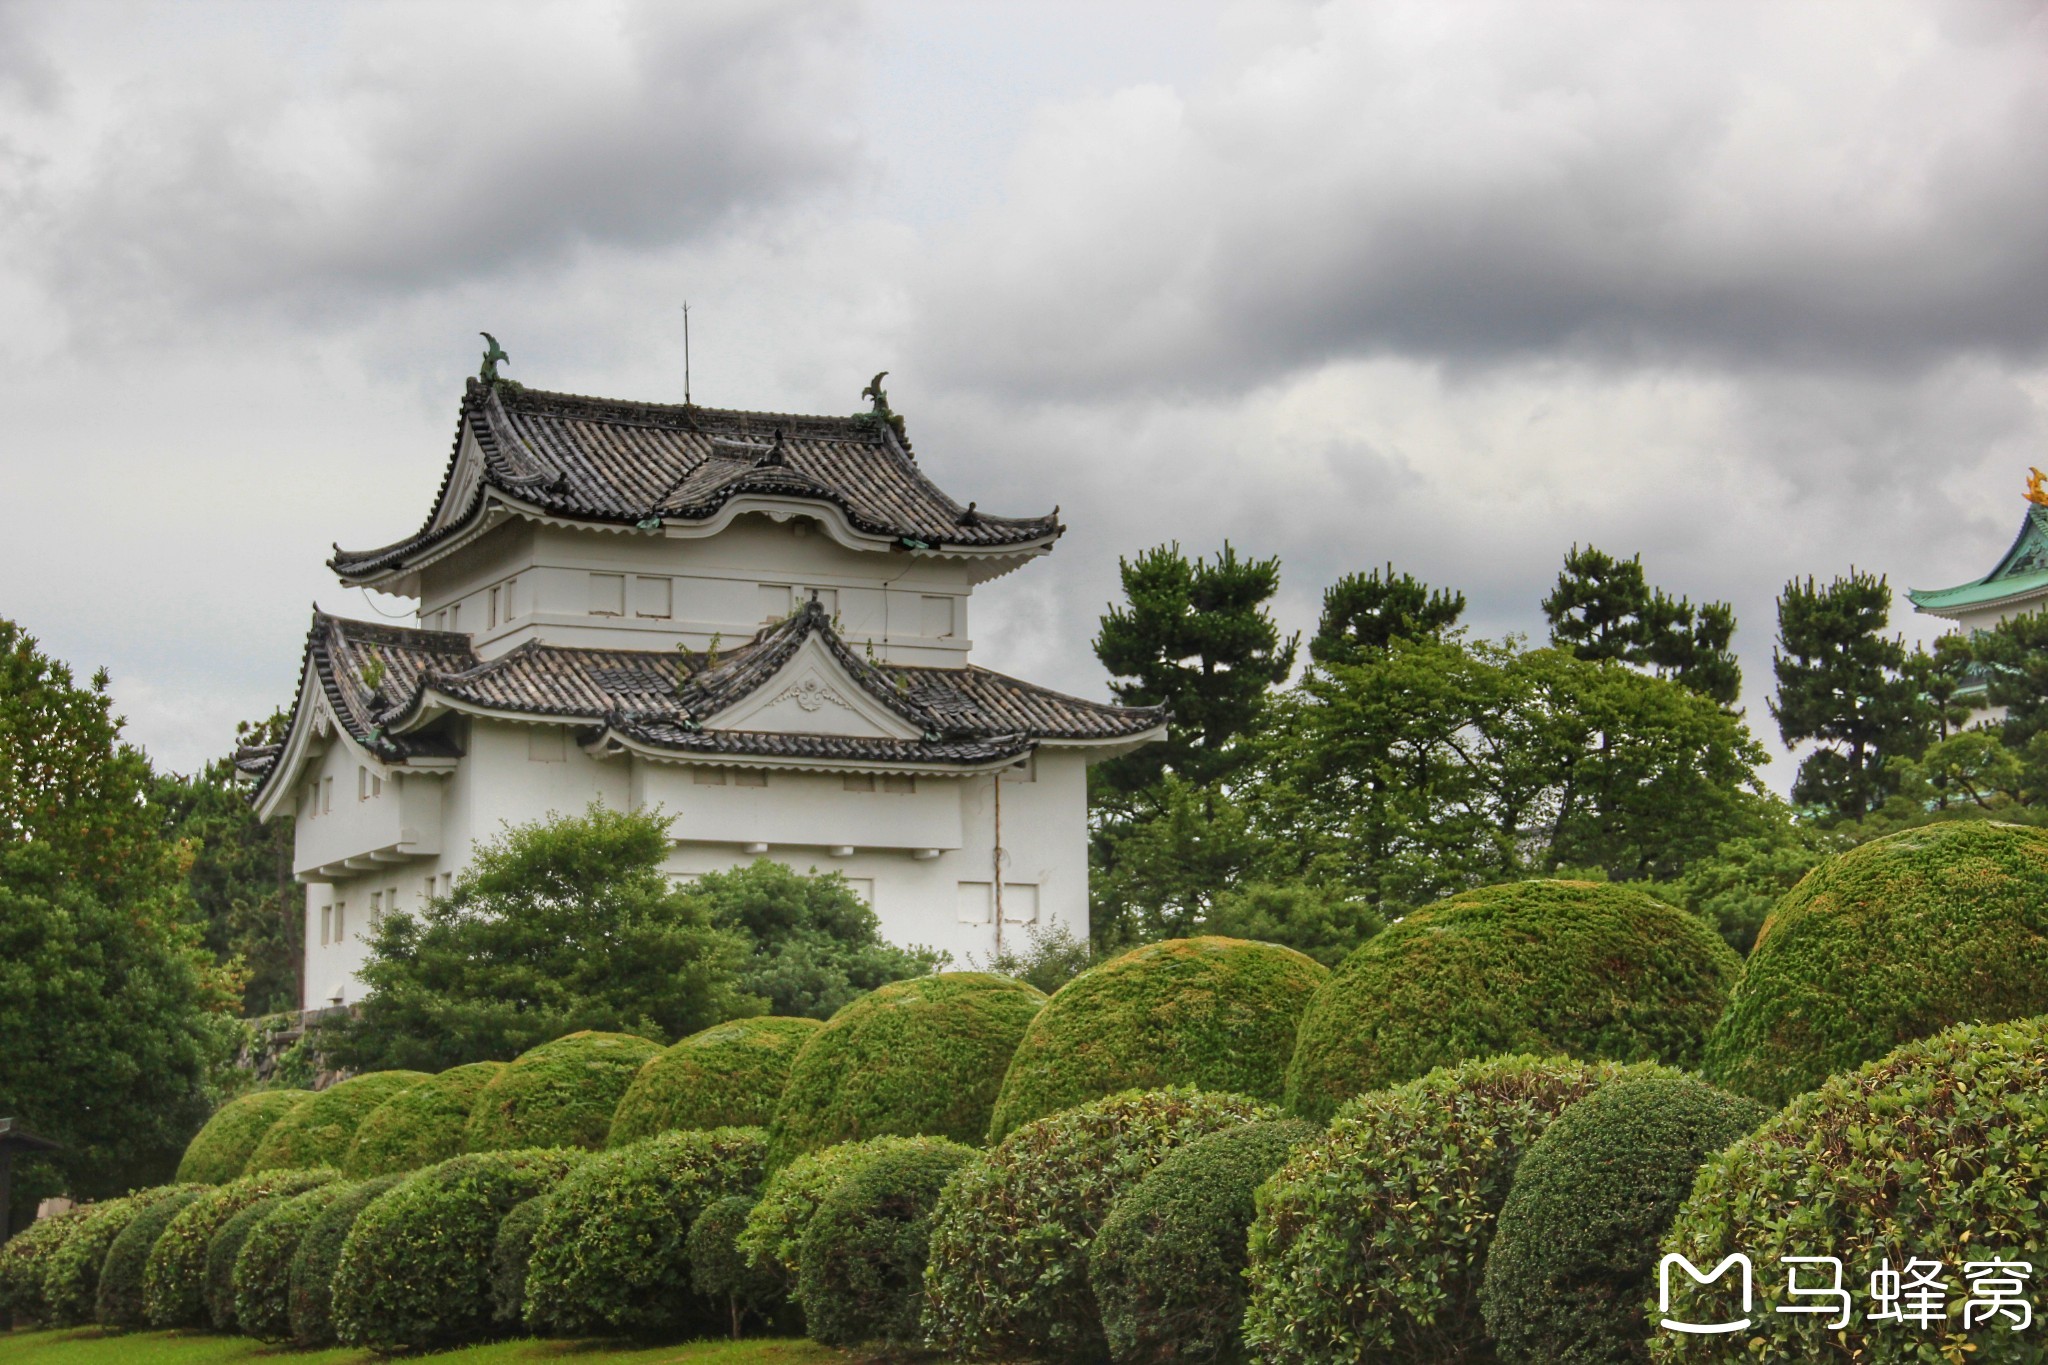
{"points": [[89, 1346]]}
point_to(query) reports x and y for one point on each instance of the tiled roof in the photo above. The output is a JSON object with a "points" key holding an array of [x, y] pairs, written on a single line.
{"points": [[620, 463], [2023, 572], [662, 698]]}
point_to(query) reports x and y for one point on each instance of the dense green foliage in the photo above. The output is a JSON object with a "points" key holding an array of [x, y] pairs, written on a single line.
{"points": [[319, 1132], [121, 1302], [722, 1274], [1010, 1240], [1603, 608], [1737, 886], [174, 1281], [920, 1057], [262, 1276], [861, 1265], [100, 954], [419, 1126], [1370, 1243], [560, 1094], [1574, 1253], [1582, 968], [319, 1254], [773, 1236], [1167, 1266], [565, 925], [25, 1259], [1845, 684], [71, 1272], [611, 1253], [221, 1254], [729, 1075], [511, 1257], [1937, 1151], [1213, 1013], [1327, 923], [220, 1151], [1363, 612], [1894, 940], [814, 945], [415, 1272]]}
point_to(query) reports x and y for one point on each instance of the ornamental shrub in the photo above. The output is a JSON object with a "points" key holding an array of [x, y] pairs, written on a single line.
{"points": [[1009, 1249], [774, 1234], [220, 1151], [319, 1254], [1214, 1013], [611, 1254], [1167, 1267], [120, 1303], [511, 1255], [923, 1057], [1370, 1242], [1574, 1254], [174, 1281], [221, 1254], [25, 1257], [71, 1271], [560, 1094], [420, 1126], [318, 1132], [861, 1264], [1582, 968], [720, 1271], [729, 1075], [415, 1272], [1894, 940], [262, 1275], [1937, 1151]]}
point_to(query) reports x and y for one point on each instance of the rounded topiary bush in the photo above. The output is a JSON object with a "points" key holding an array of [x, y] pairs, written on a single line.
{"points": [[727, 1076], [774, 1233], [511, 1255], [1895, 940], [71, 1272], [221, 1255], [422, 1125], [220, 1151], [120, 1303], [923, 1057], [560, 1094], [318, 1132], [1167, 1267], [611, 1254], [1370, 1242], [721, 1272], [1584, 969], [1009, 1249], [262, 1277], [319, 1253], [1214, 1013], [1574, 1253], [174, 1281], [415, 1272], [25, 1257], [861, 1265], [1937, 1151]]}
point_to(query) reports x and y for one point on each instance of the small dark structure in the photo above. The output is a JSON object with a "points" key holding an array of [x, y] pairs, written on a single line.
{"points": [[15, 1138]]}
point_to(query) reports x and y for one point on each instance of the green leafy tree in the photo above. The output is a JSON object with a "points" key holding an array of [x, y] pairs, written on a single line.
{"points": [[1159, 867], [2014, 658], [558, 926], [111, 1008], [241, 872], [1941, 674], [1195, 635], [1363, 612], [1604, 608], [1844, 684], [815, 944], [1735, 887]]}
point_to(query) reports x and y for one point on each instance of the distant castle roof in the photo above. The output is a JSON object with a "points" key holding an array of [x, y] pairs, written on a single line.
{"points": [[623, 464], [2020, 576]]}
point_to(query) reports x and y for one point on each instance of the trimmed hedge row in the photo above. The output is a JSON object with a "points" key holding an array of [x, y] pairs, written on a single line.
{"points": [[221, 1254], [1214, 1013], [220, 1151], [319, 1256], [318, 1132], [121, 1301], [720, 1271], [1582, 968], [861, 1264], [730, 1075], [71, 1273], [560, 1094], [772, 1240], [262, 1277], [422, 1125], [511, 1257], [25, 1256], [174, 1281]]}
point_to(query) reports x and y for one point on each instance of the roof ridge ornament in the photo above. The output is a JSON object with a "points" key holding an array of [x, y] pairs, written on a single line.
{"points": [[492, 355], [2036, 493], [881, 414]]}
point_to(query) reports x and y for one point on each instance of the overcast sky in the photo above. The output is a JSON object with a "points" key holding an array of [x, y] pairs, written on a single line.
{"points": [[1760, 290]]}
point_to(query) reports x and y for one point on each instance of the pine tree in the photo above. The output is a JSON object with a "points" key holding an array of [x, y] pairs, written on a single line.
{"points": [[1604, 608], [1844, 684], [1363, 612], [1196, 636]]}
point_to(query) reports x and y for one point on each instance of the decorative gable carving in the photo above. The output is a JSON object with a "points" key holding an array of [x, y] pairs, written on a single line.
{"points": [[813, 695]]}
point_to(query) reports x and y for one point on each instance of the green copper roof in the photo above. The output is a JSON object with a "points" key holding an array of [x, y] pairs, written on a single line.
{"points": [[2023, 571]]}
